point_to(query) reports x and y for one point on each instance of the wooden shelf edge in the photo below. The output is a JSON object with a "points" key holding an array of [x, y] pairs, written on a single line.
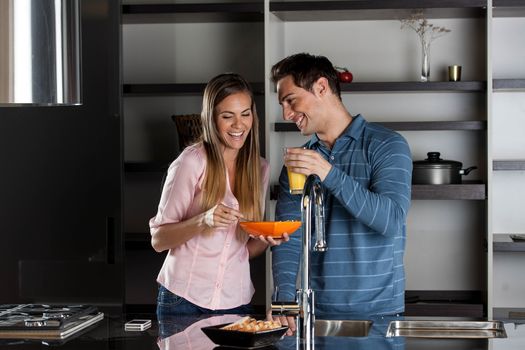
{"points": [[509, 314], [508, 8], [465, 191], [503, 243], [508, 3], [375, 10], [510, 165], [226, 7], [175, 89], [407, 126], [449, 303], [190, 13], [415, 86], [444, 310], [508, 85], [295, 6]]}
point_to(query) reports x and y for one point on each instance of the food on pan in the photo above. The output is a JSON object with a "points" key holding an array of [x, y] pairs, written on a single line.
{"points": [[249, 324]]}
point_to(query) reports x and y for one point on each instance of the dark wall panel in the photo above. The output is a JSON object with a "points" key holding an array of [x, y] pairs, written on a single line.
{"points": [[60, 182]]}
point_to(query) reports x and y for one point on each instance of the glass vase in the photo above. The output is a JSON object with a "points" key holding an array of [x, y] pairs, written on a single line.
{"points": [[425, 62]]}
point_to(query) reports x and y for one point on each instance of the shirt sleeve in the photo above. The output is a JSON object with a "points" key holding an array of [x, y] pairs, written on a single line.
{"points": [[383, 206], [285, 257], [180, 187]]}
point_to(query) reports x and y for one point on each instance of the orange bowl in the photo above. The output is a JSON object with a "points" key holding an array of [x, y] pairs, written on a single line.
{"points": [[274, 229]]}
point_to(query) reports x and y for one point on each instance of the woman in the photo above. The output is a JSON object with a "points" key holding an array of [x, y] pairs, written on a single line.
{"points": [[210, 187]]}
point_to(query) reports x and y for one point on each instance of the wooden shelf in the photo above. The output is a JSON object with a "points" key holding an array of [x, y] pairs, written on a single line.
{"points": [[408, 126], [465, 191], [415, 86], [378, 9], [508, 8], [130, 90], [446, 303], [508, 84], [503, 243], [517, 164], [509, 314], [189, 13]]}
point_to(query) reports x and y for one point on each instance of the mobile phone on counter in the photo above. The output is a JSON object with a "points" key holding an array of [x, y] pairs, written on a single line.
{"points": [[137, 325]]}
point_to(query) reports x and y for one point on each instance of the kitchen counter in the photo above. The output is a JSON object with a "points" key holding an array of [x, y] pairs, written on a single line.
{"points": [[185, 333]]}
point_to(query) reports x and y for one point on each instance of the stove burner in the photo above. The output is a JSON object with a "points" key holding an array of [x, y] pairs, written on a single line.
{"points": [[30, 316], [35, 322], [54, 315]]}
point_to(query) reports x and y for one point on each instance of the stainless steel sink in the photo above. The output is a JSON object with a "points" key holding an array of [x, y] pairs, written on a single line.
{"points": [[446, 329], [342, 328]]}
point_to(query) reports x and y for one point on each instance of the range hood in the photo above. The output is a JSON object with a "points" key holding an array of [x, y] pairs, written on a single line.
{"points": [[40, 59]]}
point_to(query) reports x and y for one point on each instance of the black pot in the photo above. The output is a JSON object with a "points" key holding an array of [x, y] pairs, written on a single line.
{"points": [[436, 171]]}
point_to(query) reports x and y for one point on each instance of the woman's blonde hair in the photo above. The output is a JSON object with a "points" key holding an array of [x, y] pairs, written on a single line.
{"points": [[248, 186]]}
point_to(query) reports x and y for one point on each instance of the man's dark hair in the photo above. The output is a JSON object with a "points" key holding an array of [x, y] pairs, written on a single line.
{"points": [[306, 69]]}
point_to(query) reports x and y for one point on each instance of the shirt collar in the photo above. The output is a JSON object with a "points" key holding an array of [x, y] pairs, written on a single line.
{"points": [[354, 130]]}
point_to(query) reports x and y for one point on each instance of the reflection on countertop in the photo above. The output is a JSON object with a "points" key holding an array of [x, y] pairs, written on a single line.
{"points": [[184, 333]]}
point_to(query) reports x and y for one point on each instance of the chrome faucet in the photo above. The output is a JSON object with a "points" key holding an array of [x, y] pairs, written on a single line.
{"points": [[304, 307]]}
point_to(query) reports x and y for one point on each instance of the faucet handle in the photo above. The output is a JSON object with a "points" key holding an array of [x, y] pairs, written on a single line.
{"points": [[320, 246], [285, 308]]}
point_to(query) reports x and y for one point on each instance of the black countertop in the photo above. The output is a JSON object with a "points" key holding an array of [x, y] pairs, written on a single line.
{"points": [[186, 334]]}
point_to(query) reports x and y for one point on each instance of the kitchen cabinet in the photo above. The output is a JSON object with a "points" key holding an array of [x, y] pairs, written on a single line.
{"points": [[507, 157], [170, 51]]}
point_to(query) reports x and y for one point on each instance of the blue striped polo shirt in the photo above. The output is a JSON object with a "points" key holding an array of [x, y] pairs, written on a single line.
{"points": [[366, 199]]}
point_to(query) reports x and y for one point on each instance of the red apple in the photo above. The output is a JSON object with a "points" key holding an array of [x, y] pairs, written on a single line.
{"points": [[344, 75]]}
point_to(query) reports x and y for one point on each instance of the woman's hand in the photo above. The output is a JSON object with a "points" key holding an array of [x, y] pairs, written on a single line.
{"points": [[221, 216]]}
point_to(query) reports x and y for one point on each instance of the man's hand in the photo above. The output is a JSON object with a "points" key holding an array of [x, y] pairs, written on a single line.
{"points": [[271, 241], [307, 162], [285, 321]]}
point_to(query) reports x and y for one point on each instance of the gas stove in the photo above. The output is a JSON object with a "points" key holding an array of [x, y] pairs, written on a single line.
{"points": [[40, 321]]}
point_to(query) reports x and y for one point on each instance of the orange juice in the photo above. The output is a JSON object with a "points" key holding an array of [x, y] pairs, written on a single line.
{"points": [[296, 182]]}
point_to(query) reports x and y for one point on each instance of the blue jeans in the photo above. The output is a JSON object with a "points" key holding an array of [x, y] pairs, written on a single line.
{"points": [[169, 305]]}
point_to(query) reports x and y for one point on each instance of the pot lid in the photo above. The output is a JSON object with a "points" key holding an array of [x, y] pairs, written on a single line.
{"points": [[434, 162]]}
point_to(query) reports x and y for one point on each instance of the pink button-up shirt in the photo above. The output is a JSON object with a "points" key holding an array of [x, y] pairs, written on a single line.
{"points": [[211, 271]]}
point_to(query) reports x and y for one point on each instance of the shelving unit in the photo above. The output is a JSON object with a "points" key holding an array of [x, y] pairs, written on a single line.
{"points": [[452, 117], [408, 113], [170, 51], [506, 256]]}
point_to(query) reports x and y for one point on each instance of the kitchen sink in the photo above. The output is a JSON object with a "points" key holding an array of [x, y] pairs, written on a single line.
{"points": [[446, 329], [342, 328]]}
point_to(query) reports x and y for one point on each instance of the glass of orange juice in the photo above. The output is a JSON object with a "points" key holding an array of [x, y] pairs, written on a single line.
{"points": [[295, 180]]}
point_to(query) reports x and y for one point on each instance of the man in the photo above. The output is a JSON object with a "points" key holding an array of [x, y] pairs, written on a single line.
{"points": [[366, 172]]}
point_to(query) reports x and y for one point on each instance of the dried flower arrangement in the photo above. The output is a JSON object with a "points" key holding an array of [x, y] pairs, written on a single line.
{"points": [[427, 33]]}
